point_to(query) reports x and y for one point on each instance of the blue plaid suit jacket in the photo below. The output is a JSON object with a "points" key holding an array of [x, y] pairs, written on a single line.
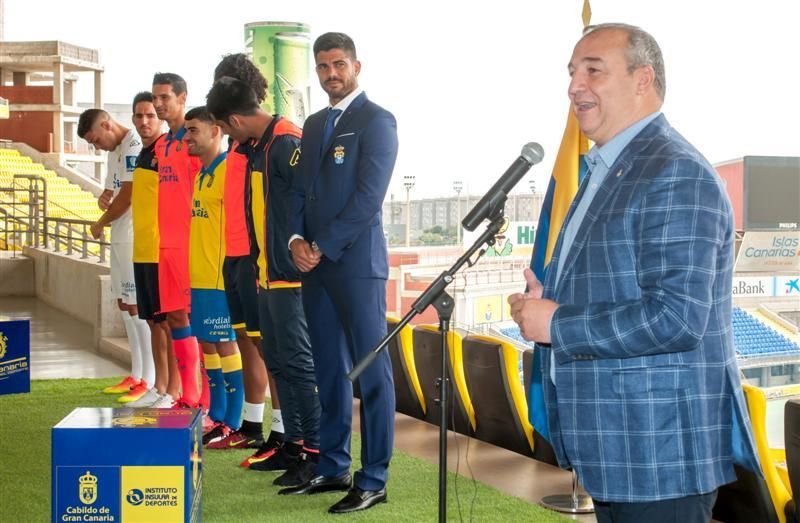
{"points": [[648, 403]]}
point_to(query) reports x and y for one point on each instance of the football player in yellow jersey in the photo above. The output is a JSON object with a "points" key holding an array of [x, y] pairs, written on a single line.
{"points": [[144, 205], [210, 318]]}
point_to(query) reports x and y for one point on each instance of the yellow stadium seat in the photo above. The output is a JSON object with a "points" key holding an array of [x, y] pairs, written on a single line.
{"points": [[408, 393], [778, 491], [491, 370], [751, 497], [427, 356]]}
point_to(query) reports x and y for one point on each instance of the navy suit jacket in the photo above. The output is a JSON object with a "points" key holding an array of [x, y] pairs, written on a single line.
{"points": [[339, 197], [648, 404]]}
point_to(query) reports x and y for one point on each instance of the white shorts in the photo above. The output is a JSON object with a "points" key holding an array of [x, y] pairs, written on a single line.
{"points": [[121, 262]]}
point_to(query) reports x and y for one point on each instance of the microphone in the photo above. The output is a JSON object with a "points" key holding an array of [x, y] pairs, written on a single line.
{"points": [[532, 153]]}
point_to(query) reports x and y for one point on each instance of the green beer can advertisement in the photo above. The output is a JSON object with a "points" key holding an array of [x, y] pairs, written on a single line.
{"points": [[282, 52]]}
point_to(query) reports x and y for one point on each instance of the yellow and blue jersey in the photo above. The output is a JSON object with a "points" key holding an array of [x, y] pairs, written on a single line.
{"points": [[144, 206], [207, 233]]}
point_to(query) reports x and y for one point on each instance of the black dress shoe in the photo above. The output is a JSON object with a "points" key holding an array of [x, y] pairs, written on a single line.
{"points": [[319, 484], [357, 499]]}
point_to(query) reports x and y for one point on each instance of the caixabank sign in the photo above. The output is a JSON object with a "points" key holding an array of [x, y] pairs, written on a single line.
{"points": [[15, 356], [127, 465]]}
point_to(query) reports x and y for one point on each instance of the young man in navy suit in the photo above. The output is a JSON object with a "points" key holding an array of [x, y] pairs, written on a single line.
{"points": [[337, 242], [639, 373]]}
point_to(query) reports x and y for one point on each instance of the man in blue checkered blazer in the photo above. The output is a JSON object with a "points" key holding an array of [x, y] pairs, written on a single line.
{"points": [[640, 380]]}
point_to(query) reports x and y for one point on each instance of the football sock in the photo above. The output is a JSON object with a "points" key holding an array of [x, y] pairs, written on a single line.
{"points": [[133, 344], [205, 391], [234, 388], [145, 349], [213, 364], [187, 354], [252, 416], [277, 421]]}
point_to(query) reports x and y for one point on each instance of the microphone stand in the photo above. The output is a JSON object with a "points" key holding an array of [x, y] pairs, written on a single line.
{"points": [[437, 296]]}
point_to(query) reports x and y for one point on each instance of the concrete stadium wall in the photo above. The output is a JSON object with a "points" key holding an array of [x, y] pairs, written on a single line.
{"points": [[16, 275], [79, 288], [32, 127]]}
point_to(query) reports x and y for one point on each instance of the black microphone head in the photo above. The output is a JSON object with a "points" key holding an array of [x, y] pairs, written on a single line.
{"points": [[532, 152], [493, 201]]}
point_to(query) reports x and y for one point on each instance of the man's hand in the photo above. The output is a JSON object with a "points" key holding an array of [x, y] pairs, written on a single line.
{"points": [[303, 255], [105, 199], [96, 229], [531, 312]]}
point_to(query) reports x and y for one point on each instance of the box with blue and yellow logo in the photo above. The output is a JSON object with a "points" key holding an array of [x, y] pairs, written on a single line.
{"points": [[127, 465], [15, 356]]}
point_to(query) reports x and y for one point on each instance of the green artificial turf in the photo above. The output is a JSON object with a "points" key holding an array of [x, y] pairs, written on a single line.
{"points": [[230, 493]]}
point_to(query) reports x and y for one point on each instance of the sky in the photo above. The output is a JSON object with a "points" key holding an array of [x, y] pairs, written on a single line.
{"points": [[469, 82]]}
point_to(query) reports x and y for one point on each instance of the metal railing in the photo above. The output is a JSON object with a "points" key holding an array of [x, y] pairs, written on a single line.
{"points": [[70, 235], [73, 235], [23, 214], [36, 189], [11, 228]]}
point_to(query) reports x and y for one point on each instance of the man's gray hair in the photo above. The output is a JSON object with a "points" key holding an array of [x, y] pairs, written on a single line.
{"points": [[642, 50]]}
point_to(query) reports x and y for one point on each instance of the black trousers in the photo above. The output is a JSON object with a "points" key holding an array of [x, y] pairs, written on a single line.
{"points": [[287, 352], [691, 509]]}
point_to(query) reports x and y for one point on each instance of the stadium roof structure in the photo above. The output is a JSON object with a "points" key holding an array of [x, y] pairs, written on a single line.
{"points": [[25, 66], [40, 56]]}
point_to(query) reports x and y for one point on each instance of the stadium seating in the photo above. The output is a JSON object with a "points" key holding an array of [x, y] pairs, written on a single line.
{"points": [[542, 450], [753, 338], [778, 492], [64, 200], [527, 367], [746, 500], [428, 359], [513, 333], [492, 378], [408, 393], [791, 427], [751, 497]]}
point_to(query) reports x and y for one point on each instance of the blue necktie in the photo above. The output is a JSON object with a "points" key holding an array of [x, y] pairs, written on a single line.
{"points": [[330, 122]]}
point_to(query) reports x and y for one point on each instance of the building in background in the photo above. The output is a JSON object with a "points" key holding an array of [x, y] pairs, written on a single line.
{"points": [[444, 214], [39, 81]]}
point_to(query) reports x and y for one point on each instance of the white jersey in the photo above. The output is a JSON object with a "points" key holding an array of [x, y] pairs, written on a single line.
{"points": [[121, 162]]}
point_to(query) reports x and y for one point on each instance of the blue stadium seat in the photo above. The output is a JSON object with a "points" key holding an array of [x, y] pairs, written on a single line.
{"points": [[751, 337]]}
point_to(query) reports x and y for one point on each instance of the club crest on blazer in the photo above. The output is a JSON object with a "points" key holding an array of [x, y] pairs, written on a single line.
{"points": [[338, 154]]}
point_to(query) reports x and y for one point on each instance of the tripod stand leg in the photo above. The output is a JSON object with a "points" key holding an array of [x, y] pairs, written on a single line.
{"points": [[444, 307]]}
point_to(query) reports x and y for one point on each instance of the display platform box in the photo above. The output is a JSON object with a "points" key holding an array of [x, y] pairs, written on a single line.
{"points": [[127, 465], [15, 356]]}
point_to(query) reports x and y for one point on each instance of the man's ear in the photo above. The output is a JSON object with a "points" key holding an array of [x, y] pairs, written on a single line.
{"points": [[646, 77]]}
